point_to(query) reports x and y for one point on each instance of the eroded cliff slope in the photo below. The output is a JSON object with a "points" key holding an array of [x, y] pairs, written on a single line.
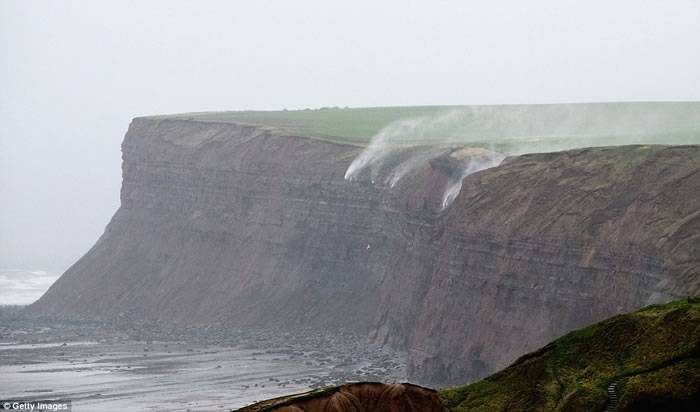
{"points": [[247, 225]]}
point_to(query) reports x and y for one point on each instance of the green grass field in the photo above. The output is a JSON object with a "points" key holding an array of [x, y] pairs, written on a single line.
{"points": [[560, 126], [349, 125]]}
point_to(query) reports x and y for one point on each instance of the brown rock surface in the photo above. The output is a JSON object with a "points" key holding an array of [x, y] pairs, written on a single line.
{"points": [[357, 397], [249, 226]]}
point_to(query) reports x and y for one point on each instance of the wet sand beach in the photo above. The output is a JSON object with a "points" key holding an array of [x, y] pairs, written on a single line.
{"points": [[108, 368]]}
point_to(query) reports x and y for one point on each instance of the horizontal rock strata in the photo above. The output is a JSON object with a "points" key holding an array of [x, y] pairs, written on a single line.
{"points": [[250, 226]]}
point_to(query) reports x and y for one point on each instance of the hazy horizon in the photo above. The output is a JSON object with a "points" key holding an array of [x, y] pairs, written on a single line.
{"points": [[74, 74]]}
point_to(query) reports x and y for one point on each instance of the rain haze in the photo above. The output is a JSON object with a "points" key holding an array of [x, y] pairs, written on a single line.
{"points": [[73, 75], [416, 206]]}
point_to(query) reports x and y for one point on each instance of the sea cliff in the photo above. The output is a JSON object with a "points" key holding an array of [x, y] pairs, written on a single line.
{"points": [[253, 226]]}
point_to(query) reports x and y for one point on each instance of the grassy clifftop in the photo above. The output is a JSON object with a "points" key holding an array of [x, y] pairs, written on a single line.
{"points": [[346, 125], [653, 355], [590, 124]]}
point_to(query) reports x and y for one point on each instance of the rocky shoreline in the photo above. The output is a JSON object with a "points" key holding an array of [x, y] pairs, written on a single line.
{"points": [[296, 361]]}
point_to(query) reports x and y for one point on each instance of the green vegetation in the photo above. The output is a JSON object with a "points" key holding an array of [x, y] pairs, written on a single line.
{"points": [[509, 127], [653, 354], [349, 125]]}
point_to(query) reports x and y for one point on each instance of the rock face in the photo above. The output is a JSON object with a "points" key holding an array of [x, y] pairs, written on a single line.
{"points": [[357, 397], [250, 226]]}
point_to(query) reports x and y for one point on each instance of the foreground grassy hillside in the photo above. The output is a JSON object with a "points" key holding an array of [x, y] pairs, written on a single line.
{"points": [[557, 126], [653, 355]]}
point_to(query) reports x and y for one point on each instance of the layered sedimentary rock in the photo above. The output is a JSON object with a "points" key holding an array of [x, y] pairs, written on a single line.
{"points": [[550, 242], [250, 226]]}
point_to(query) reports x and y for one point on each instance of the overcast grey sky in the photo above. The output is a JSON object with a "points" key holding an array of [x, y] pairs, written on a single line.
{"points": [[73, 74]]}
